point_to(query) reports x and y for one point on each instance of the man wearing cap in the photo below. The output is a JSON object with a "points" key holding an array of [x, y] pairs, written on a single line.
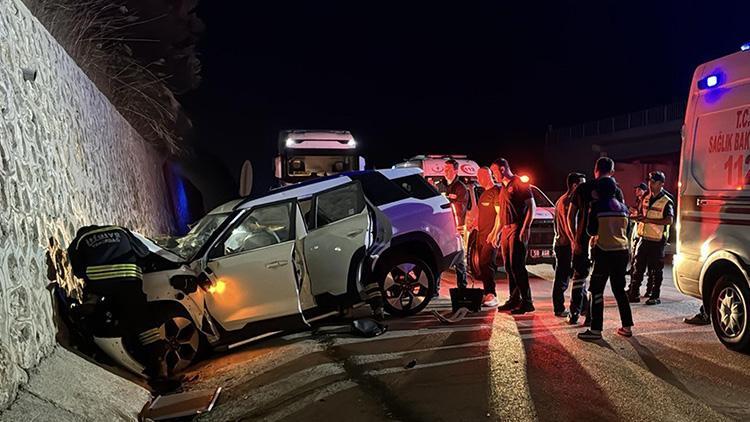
{"points": [[640, 204], [653, 229]]}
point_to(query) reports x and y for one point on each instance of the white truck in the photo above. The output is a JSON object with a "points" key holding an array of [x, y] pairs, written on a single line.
{"points": [[713, 219], [306, 154]]}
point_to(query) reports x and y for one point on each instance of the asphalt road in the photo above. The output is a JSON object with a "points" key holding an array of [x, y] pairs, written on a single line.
{"points": [[490, 366]]}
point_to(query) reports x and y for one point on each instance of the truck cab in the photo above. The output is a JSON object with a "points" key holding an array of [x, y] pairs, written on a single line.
{"points": [[306, 154], [712, 262]]}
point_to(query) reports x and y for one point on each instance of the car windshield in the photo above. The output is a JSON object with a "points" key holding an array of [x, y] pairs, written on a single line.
{"points": [[189, 245]]}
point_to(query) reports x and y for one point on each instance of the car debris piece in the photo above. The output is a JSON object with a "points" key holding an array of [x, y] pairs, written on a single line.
{"points": [[368, 327], [179, 405], [411, 364], [457, 316]]}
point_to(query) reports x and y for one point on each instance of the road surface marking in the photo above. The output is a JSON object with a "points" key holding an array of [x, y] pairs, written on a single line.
{"points": [[398, 369]]}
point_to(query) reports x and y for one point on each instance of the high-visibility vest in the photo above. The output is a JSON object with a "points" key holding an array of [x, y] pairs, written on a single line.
{"points": [[655, 211]]}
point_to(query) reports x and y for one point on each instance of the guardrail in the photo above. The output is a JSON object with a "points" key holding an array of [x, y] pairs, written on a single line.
{"points": [[610, 125]]}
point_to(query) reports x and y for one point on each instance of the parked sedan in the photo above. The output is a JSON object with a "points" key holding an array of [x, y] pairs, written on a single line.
{"points": [[252, 268]]}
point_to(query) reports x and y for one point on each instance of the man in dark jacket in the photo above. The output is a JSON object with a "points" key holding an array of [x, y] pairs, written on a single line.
{"points": [[109, 260], [458, 195], [607, 225]]}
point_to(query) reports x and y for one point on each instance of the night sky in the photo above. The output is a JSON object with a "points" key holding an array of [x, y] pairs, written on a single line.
{"points": [[482, 78]]}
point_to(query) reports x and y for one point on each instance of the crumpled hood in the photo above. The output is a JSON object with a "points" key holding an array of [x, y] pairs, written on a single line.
{"points": [[158, 250]]}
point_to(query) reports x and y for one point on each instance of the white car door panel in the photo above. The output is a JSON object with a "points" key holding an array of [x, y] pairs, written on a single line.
{"points": [[342, 227], [255, 276]]}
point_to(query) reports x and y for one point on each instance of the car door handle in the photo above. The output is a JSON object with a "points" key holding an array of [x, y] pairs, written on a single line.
{"points": [[276, 264], [355, 233]]}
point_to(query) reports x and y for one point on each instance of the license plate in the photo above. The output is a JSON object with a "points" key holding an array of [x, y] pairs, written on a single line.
{"points": [[540, 253]]}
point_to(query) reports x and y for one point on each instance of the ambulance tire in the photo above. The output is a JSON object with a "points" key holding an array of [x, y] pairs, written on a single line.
{"points": [[407, 284], [729, 312]]}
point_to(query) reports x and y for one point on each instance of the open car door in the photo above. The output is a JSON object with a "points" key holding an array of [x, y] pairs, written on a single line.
{"points": [[338, 238], [256, 282]]}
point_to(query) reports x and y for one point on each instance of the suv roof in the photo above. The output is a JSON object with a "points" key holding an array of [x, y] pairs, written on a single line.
{"points": [[310, 187]]}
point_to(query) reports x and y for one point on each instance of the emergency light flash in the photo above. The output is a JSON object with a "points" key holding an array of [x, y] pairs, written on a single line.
{"points": [[710, 81], [352, 143], [289, 142], [745, 46]]}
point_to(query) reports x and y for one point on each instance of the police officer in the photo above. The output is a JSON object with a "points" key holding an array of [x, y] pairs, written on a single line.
{"points": [[640, 203], [562, 246], [653, 229], [487, 253], [107, 258], [511, 233], [458, 195]]}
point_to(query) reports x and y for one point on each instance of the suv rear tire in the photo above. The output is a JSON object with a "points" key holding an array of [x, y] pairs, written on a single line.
{"points": [[729, 312], [407, 284]]}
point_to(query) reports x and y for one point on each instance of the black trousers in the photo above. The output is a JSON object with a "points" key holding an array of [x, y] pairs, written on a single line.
{"points": [[514, 256], [579, 302], [609, 265], [487, 256], [563, 271], [649, 255]]}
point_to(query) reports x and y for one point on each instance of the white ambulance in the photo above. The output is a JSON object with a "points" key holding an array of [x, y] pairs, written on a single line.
{"points": [[713, 223]]}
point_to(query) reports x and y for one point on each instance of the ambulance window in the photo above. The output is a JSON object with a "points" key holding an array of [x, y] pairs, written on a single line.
{"points": [[721, 150]]}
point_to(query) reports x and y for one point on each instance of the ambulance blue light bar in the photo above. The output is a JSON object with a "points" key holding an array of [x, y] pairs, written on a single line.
{"points": [[745, 46], [710, 81]]}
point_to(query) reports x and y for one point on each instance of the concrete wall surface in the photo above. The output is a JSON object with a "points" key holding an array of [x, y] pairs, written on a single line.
{"points": [[67, 159]]}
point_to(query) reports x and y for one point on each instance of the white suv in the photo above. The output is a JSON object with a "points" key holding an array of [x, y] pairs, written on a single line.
{"points": [[252, 268]]}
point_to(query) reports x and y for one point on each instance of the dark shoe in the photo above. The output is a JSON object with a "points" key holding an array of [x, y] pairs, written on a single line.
{"points": [[698, 319], [563, 314], [507, 306], [589, 335], [653, 301], [572, 319], [523, 308]]}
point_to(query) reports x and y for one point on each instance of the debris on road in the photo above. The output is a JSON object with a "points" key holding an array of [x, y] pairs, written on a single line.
{"points": [[179, 405]]}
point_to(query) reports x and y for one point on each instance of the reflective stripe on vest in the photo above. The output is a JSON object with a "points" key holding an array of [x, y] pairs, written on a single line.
{"points": [[655, 211], [106, 272]]}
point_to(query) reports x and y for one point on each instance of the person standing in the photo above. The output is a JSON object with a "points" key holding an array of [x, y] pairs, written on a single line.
{"points": [[578, 212], [608, 225], [562, 246], [458, 195], [639, 205], [653, 229], [511, 233], [486, 251]]}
